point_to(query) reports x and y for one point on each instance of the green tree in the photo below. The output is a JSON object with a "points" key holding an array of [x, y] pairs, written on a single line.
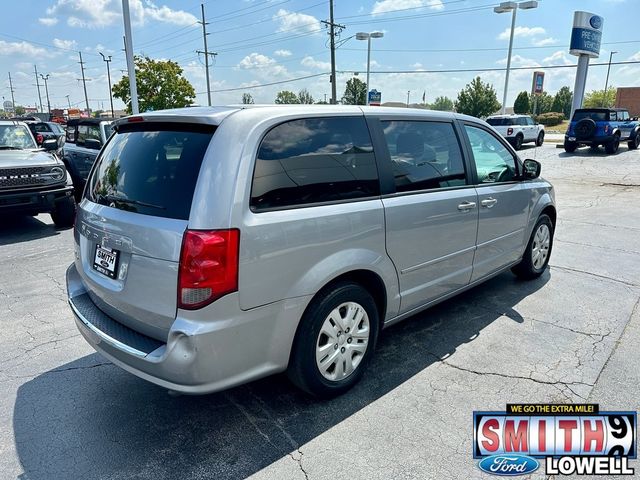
{"points": [[542, 103], [20, 110], [305, 97], [286, 97], [160, 85], [96, 113], [522, 105], [247, 99], [598, 98], [477, 99], [444, 104], [562, 101], [355, 93]]}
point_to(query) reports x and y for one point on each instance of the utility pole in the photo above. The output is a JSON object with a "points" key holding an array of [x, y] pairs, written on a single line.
{"points": [[68, 101], [46, 87], [206, 54], [131, 67], [84, 83], [35, 69], [408, 95], [332, 34], [107, 60], [13, 100]]}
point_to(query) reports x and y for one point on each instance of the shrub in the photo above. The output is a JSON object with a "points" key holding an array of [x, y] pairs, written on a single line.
{"points": [[550, 119]]}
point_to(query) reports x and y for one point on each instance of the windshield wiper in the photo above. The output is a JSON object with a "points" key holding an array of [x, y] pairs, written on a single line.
{"points": [[9, 147], [128, 201]]}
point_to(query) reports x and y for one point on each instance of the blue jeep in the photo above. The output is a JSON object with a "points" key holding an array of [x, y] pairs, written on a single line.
{"points": [[602, 126]]}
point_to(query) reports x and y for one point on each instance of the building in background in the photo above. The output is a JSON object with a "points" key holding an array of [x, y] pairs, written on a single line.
{"points": [[629, 98]]}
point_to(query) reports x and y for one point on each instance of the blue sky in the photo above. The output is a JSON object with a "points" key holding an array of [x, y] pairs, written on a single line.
{"points": [[265, 41]]}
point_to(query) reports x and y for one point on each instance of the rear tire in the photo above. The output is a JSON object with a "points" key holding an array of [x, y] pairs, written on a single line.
{"points": [[612, 146], [330, 351], [570, 147], [517, 143], [536, 256], [65, 213], [540, 139]]}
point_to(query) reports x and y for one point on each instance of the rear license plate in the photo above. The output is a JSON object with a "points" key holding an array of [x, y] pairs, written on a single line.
{"points": [[105, 261]]}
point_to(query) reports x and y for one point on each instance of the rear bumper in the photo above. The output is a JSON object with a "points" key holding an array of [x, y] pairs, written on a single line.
{"points": [[35, 201], [589, 141], [229, 348]]}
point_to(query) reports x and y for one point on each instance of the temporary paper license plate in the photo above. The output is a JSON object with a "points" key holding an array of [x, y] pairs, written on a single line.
{"points": [[105, 261]]}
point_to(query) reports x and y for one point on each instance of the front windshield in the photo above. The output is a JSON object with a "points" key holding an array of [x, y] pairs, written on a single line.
{"points": [[15, 136]]}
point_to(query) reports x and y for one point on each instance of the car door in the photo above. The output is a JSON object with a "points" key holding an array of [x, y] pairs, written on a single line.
{"points": [[626, 125], [431, 211], [532, 129], [85, 157], [502, 200]]}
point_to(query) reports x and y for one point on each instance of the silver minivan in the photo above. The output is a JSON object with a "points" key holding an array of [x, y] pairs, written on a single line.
{"points": [[215, 246]]}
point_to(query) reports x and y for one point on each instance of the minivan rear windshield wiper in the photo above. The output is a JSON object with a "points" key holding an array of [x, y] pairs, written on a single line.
{"points": [[128, 201]]}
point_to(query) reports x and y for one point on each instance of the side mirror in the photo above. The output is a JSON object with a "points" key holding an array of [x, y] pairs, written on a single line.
{"points": [[93, 144], [51, 144], [531, 169]]}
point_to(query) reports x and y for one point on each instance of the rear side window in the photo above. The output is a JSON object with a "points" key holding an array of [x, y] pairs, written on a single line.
{"points": [[501, 122], [150, 169], [88, 131], [424, 155], [41, 127], [314, 160]]}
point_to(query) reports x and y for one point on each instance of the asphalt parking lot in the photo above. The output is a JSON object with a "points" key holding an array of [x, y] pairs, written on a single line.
{"points": [[570, 336]]}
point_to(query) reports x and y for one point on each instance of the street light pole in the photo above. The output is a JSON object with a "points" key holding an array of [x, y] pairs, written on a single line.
{"points": [[511, 7], [68, 101], [108, 60], [368, 36], [606, 83], [46, 89]]}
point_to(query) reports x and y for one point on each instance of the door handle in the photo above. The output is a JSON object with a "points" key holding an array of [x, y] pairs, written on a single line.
{"points": [[466, 206], [489, 202]]}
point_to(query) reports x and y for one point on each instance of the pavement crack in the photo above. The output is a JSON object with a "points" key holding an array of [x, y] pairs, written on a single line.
{"points": [[299, 462], [604, 277], [87, 367]]}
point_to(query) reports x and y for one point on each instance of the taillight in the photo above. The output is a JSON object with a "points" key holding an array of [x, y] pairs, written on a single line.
{"points": [[208, 266], [39, 138], [509, 131], [607, 129]]}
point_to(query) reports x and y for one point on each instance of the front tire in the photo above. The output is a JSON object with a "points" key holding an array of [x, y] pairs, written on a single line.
{"points": [[634, 143], [335, 340], [540, 139], [65, 213], [536, 256]]}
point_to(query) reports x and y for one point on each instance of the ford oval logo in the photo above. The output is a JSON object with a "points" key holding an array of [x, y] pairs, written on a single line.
{"points": [[508, 465], [596, 22]]}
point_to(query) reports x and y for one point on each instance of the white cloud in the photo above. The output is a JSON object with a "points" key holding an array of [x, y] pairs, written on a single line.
{"points": [[282, 53], [264, 65], [384, 6], [103, 13], [544, 42], [66, 44], [418, 66], [299, 22], [311, 62], [520, 32], [559, 58], [519, 61], [21, 48], [48, 21]]}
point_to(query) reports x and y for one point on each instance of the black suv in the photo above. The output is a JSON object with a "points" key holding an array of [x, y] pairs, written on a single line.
{"points": [[33, 180], [602, 126]]}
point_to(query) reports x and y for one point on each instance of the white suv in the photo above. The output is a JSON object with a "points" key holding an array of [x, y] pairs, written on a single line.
{"points": [[518, 129]]}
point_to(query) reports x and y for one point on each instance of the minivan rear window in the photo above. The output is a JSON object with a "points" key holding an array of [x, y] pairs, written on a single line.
{"points": [[150, 169]]}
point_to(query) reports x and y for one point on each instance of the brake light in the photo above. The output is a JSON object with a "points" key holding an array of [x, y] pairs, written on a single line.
{"points": [[39, 138], [135, 119], [208, 267], [509, 131]]}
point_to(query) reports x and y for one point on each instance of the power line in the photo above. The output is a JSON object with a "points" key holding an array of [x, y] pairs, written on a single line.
{"points": [[266, 84]]}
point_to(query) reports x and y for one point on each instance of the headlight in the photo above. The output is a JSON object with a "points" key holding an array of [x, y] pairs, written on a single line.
{"points": [[56, 174]]}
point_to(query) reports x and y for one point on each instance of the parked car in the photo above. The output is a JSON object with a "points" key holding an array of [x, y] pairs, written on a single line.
{"points": [[33, 180], [602, 126], [45, 131], [214, 246], [518, 129], [84, 139]]}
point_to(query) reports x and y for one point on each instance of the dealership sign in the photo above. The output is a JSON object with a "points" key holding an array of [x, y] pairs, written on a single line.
{"points": [[375, 97], [538, 83], [586, 34]]}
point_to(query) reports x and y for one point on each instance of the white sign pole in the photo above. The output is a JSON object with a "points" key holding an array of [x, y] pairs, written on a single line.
{"points": [[131, 68]]}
